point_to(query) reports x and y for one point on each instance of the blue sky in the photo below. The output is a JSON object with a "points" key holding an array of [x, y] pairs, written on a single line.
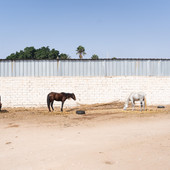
{"points": [[108, 28]]}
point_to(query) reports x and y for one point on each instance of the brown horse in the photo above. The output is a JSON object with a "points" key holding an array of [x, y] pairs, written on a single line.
{"points": [[58, 97]]}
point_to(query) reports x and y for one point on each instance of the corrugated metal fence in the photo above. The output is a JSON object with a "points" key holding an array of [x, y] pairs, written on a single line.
{"points": [[103, 67]]}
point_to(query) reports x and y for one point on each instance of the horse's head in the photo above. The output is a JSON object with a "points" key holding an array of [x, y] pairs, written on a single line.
{"points": [[125, 106], [73, 96]]}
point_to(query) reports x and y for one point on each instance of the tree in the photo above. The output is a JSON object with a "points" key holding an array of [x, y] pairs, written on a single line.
{"points": [[21, 55], [11, 57], [64, 56], [54, 54], [94, 57], [40, 53], [114, 58], [81, 51], [29, 53]]}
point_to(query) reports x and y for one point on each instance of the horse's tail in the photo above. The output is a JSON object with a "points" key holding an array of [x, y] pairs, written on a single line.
{"points": [[48, 101], [0, 103], [145, 102]]}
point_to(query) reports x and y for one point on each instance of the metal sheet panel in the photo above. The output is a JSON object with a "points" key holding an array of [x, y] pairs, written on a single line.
{"points": [[122, 67]]}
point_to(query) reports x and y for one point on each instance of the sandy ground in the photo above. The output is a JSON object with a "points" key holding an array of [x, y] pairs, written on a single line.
{"points": [[106, 137]]}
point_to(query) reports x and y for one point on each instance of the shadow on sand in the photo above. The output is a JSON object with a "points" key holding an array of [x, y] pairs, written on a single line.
{"points": [[3, 111]]}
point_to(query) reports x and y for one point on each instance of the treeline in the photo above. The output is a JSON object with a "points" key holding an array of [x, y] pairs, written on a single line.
{"points": [[46, 53], [40, 53]]}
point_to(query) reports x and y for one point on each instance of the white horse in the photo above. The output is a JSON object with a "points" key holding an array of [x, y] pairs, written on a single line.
{"points": [[140, 96]]}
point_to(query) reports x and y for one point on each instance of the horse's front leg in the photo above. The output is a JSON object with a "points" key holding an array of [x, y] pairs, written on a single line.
{"points": [[52, 105], [62, 104], [133, 105], [143, 105]]}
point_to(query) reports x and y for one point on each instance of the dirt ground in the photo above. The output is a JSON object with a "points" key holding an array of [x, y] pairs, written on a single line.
{"points": [[106, 137]]}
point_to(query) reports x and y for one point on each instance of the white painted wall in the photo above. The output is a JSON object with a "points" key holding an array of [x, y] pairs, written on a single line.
{"points": [[32, 91]]}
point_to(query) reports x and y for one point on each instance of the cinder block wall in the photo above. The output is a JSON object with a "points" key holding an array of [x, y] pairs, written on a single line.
{"points": [[32, 91]]}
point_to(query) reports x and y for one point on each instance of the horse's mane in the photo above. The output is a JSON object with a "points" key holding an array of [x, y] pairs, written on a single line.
{"points": [[140, 93]]}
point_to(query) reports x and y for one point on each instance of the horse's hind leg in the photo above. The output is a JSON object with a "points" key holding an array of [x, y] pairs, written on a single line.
{"points": [[141, 105], [49, 107], [62, 106], [52, 105]]}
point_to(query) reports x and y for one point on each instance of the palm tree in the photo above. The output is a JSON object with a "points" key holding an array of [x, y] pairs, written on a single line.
{"points": [[81, 51]]}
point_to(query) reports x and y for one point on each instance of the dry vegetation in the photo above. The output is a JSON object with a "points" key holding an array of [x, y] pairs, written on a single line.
{"points": [[104, 111]]}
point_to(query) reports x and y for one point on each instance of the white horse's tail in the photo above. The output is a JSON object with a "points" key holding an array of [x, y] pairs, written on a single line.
{"points": [[145, 102]]}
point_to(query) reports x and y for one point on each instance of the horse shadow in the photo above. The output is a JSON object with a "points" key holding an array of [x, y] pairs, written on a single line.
{"points": [[4, 111]]}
